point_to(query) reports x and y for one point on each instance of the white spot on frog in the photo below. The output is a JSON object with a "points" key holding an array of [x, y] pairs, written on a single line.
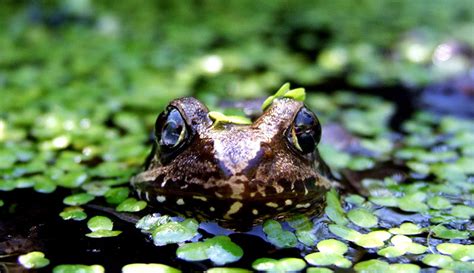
{"points": [[180, 201], [161, 198]]}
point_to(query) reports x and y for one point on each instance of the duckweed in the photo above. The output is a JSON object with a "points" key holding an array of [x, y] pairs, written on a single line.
{"points": [[131, 205], [35, 259], [175, 232], [362, 217], [78, 268], [142, 268], [277, 236], [73, 213], [90, 137], [78, 199], [101, 227], [278, 266], [220, 250], [331, 253]]}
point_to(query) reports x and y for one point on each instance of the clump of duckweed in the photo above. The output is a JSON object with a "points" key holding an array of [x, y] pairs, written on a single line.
{"points": [[142, 268], [330, 253], [278, 266], [220, 250], [73, 213], [35, 259], [78, 268], [101, 227]]}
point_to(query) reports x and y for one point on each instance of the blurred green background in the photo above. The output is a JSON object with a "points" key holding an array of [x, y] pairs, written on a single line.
{"points": [[144, 53]]}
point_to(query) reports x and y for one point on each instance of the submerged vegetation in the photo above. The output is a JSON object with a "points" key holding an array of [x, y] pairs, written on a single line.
{"points": [[82, 82]]}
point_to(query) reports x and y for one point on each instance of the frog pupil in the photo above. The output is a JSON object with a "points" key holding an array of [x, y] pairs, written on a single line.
{"points": [[305, 132], [173, 131]]}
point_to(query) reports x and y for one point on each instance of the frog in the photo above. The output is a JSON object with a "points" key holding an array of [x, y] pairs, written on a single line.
{"points": [[237, 175]]}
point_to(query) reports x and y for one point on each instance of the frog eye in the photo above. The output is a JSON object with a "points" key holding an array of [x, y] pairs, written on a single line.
{"points": [[305, 131], [170, 130]]}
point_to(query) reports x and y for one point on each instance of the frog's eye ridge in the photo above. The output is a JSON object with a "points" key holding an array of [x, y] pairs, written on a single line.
{"points": [[170, 130], [305, 131]]}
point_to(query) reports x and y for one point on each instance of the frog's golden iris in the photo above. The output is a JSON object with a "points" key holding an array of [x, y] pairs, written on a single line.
{"points": [[237, 175]]}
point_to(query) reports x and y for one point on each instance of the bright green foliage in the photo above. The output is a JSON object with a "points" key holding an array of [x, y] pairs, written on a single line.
{"points": [[285, 92], [374, 266], [401, 245], [278, 266], [78, 199], [116, 196], [101, 227], [151, 221], [277, 236], [441, 231], [73, 213], [303, 229], [457, 251], [175, 232], [369, 240], [220, 250], [331, 253], [407, 229], [220, 118], [362, 217], [334, 209], [78, 268], [33, 259], [143, 268], [227, 270], [131, 205]]}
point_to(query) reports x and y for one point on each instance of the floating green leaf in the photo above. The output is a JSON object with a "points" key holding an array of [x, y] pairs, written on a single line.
{"points": [[116, 196], [101, 227], [78, 268], [78, 199], [462, 211], [334, 208], [220, 250], [371, 266], [457, 251], [175, 232], [441, 231], [152, 221], [407, 229], [277, 266], [437, 260], [277, 236], [318, 270], [103, 233], [142, 268], [100, 223], [227, 270], [73, 213], [439, 202], [362, 217], [131, 205], [33, 259]]}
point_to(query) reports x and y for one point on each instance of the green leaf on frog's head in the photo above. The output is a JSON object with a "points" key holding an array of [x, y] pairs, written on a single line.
{"points": [[298, 94], [220, 118]]}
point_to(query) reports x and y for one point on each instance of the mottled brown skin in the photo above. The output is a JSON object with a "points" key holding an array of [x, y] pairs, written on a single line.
{"points": [[237, 175]]}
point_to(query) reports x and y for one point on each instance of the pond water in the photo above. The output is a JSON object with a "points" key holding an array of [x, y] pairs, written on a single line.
{"points": [[82, 84]]}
